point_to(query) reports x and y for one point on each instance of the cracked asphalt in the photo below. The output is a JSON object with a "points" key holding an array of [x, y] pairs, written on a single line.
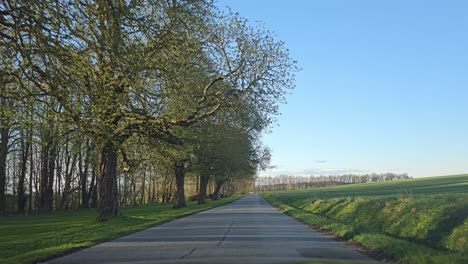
{"points": [[248, 230]]}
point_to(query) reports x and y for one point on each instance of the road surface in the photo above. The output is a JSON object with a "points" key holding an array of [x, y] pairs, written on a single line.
{"points": [[248, 230]]}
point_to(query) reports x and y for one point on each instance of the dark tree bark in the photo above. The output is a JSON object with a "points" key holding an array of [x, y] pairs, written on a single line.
{"points": [[44, 174], [123, 199], [49, 199], [92, 193], [218, 186], [179, 197], [150, 187], [4, 133], [203, 187], [108, 201], [24, 160], [84, 177], [142, 197], [31, 172], [134, 193], [70, 164]]}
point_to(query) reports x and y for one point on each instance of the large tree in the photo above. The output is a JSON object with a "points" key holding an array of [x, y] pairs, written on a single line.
{"points": [[235, 159], [119, 68]]}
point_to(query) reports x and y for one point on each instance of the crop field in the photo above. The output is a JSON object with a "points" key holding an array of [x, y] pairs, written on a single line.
{"points": [[433, 185], [415, 221]]}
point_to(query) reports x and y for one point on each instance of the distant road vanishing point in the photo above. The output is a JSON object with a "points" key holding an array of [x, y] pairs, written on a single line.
{"points": [[248, 230]]}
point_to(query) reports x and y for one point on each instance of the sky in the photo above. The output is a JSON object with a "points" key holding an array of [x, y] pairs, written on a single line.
{"points": [[383, 86]]}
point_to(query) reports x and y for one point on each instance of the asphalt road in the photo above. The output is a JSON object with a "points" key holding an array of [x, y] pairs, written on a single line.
{"points": [[248, 230]]}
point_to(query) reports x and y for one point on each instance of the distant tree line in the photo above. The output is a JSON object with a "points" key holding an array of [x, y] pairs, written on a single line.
{"points": [[108, 103], [285, 182]]}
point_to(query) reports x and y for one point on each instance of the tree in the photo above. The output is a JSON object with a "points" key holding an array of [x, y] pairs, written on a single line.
{"points": [[205, 150], [8, 93], [151, 68], [228, 155]]}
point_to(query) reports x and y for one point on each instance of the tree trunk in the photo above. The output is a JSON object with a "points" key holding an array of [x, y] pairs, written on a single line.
{"points": [[125, 189], [108, 201], [179, 197], [70, 165], [49, 200], [31, 172], [24, 160], [150, 186], [217, 189], [4, 133], [92, 193], [84, 176], [155, 189], [67, 184], [203, 186], [142, 197], [44, 178], [134, 194]]}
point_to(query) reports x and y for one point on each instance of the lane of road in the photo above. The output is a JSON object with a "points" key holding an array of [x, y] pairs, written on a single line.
{"points": [[248, 230]]}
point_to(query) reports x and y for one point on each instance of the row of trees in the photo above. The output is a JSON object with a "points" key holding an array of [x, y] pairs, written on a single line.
{"points": [[285, 182], [110, 102]]}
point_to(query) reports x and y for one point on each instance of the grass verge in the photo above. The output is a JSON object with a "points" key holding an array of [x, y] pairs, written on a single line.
{"points": [[44, 236], [347, 219]]}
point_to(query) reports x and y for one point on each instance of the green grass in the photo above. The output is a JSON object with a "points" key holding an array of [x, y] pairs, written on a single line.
{"points": [[418, 221], [38, 237], [431, 185], [331, 262]]}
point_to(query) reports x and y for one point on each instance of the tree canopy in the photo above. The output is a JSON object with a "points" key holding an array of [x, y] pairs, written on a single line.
{"points": [[154, 72]]}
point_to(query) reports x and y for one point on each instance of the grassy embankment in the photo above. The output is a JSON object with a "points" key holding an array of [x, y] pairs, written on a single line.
{"points": [[32, 238], [417, 221]]}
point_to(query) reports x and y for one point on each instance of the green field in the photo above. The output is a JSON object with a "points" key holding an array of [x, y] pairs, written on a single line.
{"points": [[33, 238], [416, 221]]}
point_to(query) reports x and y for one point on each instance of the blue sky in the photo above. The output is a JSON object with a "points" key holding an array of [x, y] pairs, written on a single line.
{"points": [[383, 86]]}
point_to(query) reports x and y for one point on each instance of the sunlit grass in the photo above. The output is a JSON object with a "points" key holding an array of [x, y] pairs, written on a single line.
{"points": [[410, 187], [418, 220]]}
